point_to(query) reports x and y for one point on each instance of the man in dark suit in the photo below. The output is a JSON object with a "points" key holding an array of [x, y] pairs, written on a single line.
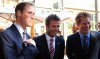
{"points": [[49, 45], [96, 51], [15, 43], [80, 45]]}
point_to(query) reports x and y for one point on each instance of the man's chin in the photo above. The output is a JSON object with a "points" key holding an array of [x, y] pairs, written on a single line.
{"points": [[86, 32], [54, 35], [29, 25]]}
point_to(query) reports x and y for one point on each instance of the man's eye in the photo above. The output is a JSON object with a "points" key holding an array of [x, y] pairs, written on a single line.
{"points": [[30, 12]]}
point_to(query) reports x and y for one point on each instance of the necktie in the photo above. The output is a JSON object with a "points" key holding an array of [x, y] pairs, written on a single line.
{"points": [[24, 38], [85, 45], [85, 42], [51, 49]]}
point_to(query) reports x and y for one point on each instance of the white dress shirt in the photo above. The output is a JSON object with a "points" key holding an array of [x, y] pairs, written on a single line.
{"points": [[48, 40], [20, 29]]}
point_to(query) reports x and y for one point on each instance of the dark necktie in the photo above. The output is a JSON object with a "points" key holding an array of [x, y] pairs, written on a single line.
{"points": [[24, 38], [85, 42], [51, 49], [86, 46]]}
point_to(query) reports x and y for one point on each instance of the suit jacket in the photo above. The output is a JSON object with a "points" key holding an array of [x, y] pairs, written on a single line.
{"points": [[74, 49], [11, 45], [96, 51], [42, 46]]}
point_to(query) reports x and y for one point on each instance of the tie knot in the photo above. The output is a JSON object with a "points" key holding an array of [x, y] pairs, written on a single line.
{"points": [[85, 38], [51, 40], [24, 33]]}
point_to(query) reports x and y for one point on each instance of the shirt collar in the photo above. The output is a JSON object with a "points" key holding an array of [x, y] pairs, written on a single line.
{"points": [[48, 37], [88, 35], [20, 29]]}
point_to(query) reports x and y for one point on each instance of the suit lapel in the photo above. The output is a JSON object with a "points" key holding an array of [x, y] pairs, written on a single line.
{"points": [[17, 35], [78, 41], [57, 45], [93, 39], [45, 46]]}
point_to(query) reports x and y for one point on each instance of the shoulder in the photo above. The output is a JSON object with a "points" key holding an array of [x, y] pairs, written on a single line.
{"points": [[9, 29], [94, 33], [39, 37], [74, 35], [6, 31], [59, 39], [9, 32]]}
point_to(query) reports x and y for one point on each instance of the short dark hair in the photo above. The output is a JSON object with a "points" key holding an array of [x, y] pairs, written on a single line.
{"points": [[21, 7], [82, 15], [51, 17]]}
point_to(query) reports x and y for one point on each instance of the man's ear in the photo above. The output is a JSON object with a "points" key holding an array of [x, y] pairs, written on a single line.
{"points": [[18, 13]]}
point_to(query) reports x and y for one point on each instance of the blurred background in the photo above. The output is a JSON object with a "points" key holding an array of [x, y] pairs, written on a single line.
{"points": [[65, 9]]}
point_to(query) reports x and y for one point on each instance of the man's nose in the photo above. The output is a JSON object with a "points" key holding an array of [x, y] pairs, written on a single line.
{"points": [[33, 17]]}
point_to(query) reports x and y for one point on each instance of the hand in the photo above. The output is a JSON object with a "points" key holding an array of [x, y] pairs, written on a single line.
{"points": [[28, 41]]}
